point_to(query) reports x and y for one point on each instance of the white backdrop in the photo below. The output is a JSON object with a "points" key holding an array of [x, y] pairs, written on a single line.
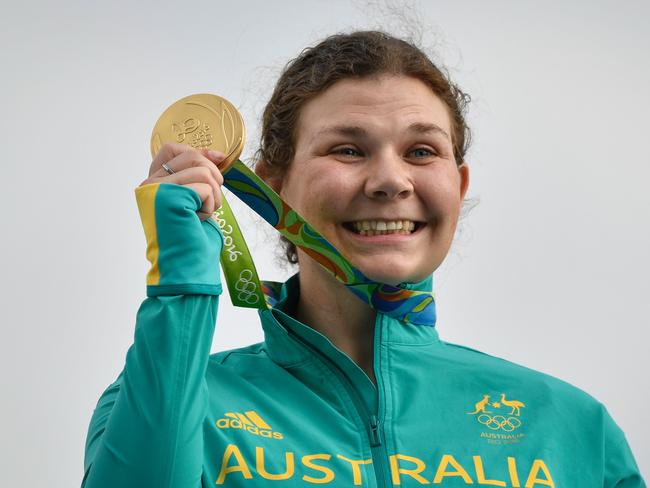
{"points": [[550, 270]]}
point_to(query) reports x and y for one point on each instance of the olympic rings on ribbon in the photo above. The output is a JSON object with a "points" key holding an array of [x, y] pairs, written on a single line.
{"points": [[246, 287], [497, 422]]}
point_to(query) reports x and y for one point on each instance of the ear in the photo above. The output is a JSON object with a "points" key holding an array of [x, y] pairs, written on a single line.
{"points": [[463, 171], [272, 178]]}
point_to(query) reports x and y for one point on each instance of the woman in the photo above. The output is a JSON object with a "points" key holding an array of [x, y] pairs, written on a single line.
{"points": [[366, 139]]}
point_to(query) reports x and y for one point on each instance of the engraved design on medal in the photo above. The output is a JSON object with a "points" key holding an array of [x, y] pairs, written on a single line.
{"points": [[228, 128], [199, 139], [182, 129], [202, 138]]}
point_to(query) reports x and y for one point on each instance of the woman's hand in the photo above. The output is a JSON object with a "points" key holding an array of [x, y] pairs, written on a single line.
{"points": [[194, 168]]}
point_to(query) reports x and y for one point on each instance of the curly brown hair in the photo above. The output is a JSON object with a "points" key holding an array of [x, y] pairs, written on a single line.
{"points": [[359, 54]]}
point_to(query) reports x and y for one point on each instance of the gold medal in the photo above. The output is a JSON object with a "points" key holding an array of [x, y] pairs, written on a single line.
{"points": [[202, 121]]}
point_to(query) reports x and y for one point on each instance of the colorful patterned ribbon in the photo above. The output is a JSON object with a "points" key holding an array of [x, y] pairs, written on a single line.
{"points": [[401, 302]]}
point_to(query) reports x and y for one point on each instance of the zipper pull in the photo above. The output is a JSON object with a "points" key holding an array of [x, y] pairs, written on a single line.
{"points": [[375, 440]]}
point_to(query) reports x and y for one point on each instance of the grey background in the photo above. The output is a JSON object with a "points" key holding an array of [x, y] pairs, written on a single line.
{"points": [[550, 270]]}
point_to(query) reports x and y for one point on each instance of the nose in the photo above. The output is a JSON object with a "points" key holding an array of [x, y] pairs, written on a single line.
{"points": [[388, 178]]}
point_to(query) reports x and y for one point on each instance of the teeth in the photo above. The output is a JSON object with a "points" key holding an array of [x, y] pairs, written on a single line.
{"points": [[382, 227]]}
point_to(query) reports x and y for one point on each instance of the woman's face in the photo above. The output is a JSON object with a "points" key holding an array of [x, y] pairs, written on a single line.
{"points": [[374, 172]]}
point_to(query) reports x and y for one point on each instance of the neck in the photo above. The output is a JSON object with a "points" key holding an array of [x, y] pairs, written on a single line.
{"points": [[326, 306]]}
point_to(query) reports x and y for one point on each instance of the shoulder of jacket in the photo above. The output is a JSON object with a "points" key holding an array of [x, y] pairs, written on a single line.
{"points": [[533, 380], [253, 350]]}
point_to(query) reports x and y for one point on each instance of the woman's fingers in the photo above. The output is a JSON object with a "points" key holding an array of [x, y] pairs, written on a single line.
{"points": [[181, 156], [190, 167], [197, 174], [167, 152], [193, 159], [210, 204]]}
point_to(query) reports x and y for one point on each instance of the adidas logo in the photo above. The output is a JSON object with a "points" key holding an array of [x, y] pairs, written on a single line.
{"points": [[249, 421]]}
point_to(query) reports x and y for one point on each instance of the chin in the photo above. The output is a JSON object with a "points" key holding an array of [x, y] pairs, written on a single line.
{"points": [[394, 275]]}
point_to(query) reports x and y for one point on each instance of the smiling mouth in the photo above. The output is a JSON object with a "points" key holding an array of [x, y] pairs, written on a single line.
{"points": [[383, 227]]}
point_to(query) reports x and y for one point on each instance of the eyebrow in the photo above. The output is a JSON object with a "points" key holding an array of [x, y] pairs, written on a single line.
{"points": [[357, 131], [427, 128]]}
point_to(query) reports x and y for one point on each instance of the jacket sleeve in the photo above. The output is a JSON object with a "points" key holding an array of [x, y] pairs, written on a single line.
{"points": [[621, 470], [147, 427]]}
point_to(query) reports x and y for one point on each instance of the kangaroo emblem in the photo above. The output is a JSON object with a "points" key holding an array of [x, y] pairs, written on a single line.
{"points": [[513, 404], [480, 406]]}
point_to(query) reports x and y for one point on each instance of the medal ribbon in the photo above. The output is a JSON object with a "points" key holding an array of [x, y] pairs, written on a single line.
{"points": [[246, 290]]}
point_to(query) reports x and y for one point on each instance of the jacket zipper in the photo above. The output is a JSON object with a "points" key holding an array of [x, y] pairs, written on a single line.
{"points": [[375, 440], [378, 453], [382, 468]]}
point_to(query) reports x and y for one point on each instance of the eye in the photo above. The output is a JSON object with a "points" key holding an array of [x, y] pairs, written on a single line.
{"points": [[347, 151], [422, 152]]}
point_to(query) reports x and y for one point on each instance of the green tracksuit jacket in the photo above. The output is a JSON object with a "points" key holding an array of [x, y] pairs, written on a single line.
{"points": [[295, 410]]}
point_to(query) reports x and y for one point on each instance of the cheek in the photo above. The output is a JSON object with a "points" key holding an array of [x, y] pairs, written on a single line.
{"points": [[442, 193], [329, 197], [318, 194]]}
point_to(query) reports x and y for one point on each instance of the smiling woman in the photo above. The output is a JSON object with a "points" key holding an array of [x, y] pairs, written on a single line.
{"points": [[375, 152], [365, 137]]}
